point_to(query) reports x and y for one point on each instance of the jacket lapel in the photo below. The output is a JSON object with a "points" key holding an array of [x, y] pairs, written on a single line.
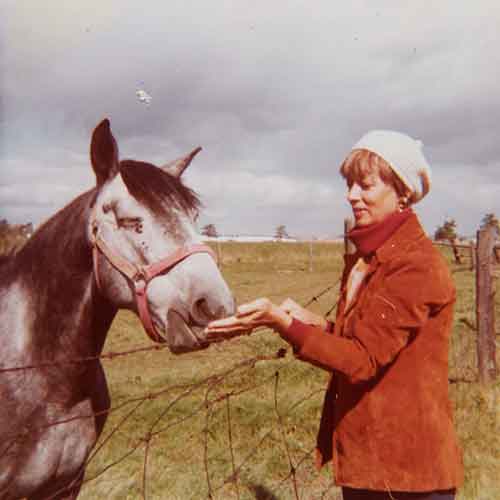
{"points": [[409, 232], [361, 287]]}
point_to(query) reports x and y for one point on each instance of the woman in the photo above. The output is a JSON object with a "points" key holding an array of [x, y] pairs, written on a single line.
{"points": [[386, 422]]}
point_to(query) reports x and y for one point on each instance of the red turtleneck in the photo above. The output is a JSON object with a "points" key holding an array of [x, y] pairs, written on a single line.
{"points": [[368, 238]]}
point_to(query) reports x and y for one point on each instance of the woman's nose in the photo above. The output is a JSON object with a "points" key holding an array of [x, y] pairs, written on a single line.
{"points": [[354, 193]]}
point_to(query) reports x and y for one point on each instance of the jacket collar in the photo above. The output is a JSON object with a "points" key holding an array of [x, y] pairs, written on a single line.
{"points": [[398, 243], [368, 238], [409, 232]]}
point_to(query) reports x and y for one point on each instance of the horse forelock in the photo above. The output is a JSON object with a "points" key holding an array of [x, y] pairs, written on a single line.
{"points": [[157, 190]]}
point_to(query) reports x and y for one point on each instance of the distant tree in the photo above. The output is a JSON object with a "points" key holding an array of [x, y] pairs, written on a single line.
{"points": [[448, 231], [281, 232], [491, 220], [209, 230]]}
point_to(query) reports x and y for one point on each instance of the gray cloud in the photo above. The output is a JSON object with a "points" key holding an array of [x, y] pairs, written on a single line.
{"points": [[275, 93]]}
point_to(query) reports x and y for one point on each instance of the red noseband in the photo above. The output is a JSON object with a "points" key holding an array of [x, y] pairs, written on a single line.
{"points": [[142, 275]]}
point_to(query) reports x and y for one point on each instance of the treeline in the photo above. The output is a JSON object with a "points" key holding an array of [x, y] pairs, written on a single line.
{"points": [[448, 230], [13, 236], [280, 233], [445, 232]]}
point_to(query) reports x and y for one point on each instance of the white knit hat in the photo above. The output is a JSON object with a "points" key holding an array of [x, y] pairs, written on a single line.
{"points": [[404, 155]]}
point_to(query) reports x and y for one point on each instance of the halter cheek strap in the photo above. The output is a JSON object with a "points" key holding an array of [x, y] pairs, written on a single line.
{"points": [[142, 275], [153, 270]]}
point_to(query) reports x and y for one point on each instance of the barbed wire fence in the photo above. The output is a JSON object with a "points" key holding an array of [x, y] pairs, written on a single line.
{"points": [[158, 426], [482, 257], [212, 399]]}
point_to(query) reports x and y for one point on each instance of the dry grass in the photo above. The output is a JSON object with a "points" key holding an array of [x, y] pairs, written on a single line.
{"points": [[198, 434]]}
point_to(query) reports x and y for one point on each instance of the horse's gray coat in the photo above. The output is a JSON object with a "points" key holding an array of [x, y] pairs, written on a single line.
{"points": [[52, 311]]}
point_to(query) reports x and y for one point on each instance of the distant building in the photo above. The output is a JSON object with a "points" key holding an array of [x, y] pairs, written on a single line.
{"points": [[249, 239]]}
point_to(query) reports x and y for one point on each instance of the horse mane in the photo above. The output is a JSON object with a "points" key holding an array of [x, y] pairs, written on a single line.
{"points": [[4, 259], [56, 262], [62, 238], [156, 189], [54, 266]]}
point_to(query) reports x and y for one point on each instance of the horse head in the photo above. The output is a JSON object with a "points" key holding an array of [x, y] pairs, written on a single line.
{"points": [[148, 255]]}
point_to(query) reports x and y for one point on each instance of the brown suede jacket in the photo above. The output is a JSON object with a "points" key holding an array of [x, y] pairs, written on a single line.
{"points": [[387, 420]]}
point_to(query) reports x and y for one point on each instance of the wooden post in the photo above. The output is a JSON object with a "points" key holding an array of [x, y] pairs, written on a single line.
{"points": [[472, 256], [456, 252], [349, 247], [311, 255], [485, 305], [219, 254], [497, 253]]}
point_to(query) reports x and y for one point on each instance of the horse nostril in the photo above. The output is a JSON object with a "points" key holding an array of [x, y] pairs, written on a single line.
{"points": [[203, 312], [201, 309]]}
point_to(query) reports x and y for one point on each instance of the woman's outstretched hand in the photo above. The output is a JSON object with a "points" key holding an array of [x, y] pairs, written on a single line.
{"points": [[260, 312], [298, 312]]}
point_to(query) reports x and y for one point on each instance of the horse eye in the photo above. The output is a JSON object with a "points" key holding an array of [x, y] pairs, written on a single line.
{"points": [[131, 223], [106, 207]]}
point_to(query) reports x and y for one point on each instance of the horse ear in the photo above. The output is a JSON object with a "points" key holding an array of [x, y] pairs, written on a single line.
{"points": [[103, 153], [176, 167]]}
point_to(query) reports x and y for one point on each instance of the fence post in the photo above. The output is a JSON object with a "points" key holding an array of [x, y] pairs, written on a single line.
{"points": [[349, 247], [472, 256], [485, 305], [219, 254], [456, 252], [311, 255]]}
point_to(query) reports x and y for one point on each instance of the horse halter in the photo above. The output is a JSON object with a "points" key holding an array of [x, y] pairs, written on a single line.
{"points": [[140, 276]]}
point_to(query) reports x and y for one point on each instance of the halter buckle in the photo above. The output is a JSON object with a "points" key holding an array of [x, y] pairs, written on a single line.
{"points": [[94, 230], [140, 278]]}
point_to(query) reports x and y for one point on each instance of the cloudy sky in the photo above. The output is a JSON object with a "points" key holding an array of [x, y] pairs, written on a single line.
{"points": [[276, 92]]}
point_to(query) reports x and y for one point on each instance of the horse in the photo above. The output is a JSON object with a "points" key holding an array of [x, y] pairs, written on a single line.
{"points": [[130, 242]]}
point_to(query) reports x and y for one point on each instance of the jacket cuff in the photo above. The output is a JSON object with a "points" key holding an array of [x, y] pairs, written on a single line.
{"points": [[297, 333]]}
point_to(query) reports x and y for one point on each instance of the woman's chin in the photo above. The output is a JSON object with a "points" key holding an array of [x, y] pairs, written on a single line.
{"points": [[362, 221]]}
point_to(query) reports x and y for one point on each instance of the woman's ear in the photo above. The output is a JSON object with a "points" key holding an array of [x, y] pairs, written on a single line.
{"points": [[405, 200]]}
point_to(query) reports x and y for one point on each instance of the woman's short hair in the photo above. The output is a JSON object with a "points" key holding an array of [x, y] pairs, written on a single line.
{"points": [[361, 162]]}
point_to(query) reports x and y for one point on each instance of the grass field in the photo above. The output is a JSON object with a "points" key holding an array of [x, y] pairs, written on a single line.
{"points": [[223, 423]]}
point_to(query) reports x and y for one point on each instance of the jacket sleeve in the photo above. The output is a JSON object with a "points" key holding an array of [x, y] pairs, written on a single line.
{"points": [[382, 323]]}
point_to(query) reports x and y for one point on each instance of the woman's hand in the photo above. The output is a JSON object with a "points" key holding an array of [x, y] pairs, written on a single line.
{"points": [[298, 312], [260, 312]]}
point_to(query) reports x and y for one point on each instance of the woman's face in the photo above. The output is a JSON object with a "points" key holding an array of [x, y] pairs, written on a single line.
{"points": [[371, 199]]}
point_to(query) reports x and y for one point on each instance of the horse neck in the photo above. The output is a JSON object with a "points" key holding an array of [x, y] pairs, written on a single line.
{"points": [[55, 268]]}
